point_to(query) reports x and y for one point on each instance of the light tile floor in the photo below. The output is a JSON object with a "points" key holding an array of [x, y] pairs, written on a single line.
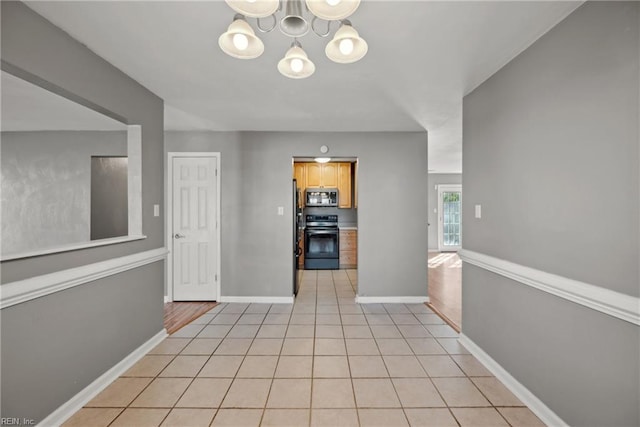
{"points": [[324, 361]]}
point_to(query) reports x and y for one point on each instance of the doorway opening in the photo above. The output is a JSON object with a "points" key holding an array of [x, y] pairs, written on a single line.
{"points": [[449, 218], [444, 264], [325, 228]]}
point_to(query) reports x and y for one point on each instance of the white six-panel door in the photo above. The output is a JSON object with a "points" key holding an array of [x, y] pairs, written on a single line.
{"points": [[194, 235]]}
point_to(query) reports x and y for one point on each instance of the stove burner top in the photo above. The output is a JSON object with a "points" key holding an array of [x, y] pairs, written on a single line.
{"points": [[322, 221]]}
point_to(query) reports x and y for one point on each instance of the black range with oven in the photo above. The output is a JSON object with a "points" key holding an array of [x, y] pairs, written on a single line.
{"points": [[321, 237]]}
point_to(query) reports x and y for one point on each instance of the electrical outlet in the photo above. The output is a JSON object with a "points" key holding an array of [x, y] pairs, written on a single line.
{"points": [[156, 210]]}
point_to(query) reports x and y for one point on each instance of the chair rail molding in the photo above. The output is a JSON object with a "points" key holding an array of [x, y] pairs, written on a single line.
{"points": [[35, 287], [616, 304]]}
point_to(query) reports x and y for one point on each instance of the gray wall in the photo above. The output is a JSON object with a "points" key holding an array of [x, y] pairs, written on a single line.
{"points": [[54, 346], [109, 197], [551, 152], [433, 180], [231, 184], [255, 180], [46, 182], [39, 52]]}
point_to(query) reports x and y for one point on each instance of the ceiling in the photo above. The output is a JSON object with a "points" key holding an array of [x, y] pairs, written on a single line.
{"points": [[424, 56], [27, 107]]}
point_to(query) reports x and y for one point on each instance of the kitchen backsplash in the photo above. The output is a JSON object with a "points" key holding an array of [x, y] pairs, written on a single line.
{"points": [[345, 216]]}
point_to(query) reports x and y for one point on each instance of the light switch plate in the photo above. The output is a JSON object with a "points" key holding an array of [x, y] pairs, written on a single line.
{"points": [[280, 210], [478, 211], [156, 210]]}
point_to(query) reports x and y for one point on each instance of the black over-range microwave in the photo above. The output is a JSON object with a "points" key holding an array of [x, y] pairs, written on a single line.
{"points": [[321, 197]]}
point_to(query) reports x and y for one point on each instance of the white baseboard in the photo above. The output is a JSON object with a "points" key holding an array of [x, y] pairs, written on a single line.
{"points": [[166, 299], [258, 300], [391, 300], [73, 405], [521, 392]]}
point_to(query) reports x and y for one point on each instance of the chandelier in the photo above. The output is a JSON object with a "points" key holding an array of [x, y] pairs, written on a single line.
{"points": [[240, 41]]}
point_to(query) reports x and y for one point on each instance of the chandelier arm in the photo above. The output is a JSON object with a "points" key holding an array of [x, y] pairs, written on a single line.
{"points": [[267, 30], [313, 27]]}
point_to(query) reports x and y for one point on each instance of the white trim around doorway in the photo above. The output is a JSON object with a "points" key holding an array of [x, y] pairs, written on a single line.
{"points": [[169, 213]]}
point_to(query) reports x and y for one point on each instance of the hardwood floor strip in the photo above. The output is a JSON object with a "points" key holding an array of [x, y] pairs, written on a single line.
{"points": [[443, 317], [445, 287], [179, 314]]}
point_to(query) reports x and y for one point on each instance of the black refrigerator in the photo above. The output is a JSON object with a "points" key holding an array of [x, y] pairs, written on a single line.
{"points": [[297, 251]]}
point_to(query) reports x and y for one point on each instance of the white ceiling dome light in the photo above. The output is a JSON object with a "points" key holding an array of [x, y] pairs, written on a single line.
{"points": [[332, 10], [347, 46], [254, 8], [296, 64], [240, 41]]}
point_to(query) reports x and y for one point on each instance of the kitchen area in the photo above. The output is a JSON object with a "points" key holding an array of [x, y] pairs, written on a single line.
{"points": [[325, 220]]}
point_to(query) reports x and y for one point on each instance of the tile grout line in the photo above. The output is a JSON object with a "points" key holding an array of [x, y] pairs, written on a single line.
{"points": [[313, 348], [344, 338], [174, 356], [220, 407], [210, 357], [387, 367], [205, 363], [266, 400], [144, 388], [317, 304]]}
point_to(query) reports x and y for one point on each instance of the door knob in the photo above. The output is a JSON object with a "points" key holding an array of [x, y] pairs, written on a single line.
{"points": [[179, 236]]}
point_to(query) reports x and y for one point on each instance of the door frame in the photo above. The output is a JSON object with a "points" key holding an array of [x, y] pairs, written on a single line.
{"points": [[169, 213], [442, 188]]}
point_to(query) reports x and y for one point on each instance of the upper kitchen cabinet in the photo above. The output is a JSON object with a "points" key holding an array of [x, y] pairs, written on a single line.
{"points": [[313, 175], [326, 175], [299, 174], [344, 185], [329, 175], [321, 175]]}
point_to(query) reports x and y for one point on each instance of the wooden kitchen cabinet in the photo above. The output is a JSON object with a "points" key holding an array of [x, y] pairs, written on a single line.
{"points": [[344, 185], [355, 185], [329, 175], [300, 173], [313, 173], [348, 248], [321, 175], [301, 258], [326, 175]]}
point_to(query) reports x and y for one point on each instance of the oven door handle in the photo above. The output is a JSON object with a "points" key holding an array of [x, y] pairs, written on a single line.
{"points": [[316, 232]]}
